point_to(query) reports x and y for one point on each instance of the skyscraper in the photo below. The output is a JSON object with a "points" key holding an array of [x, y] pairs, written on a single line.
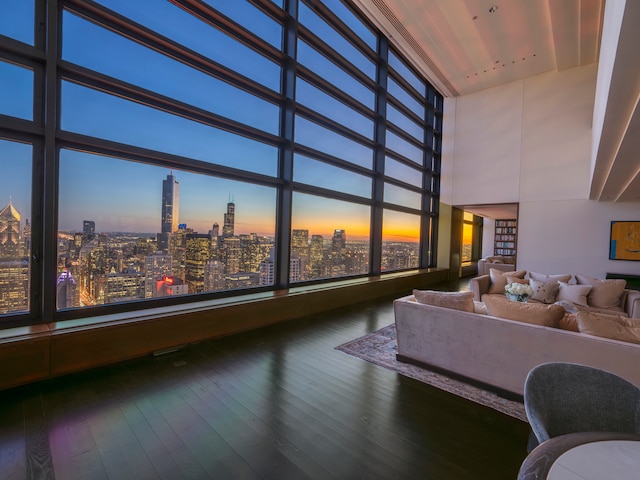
{"points": [[10, 232], [198, 253], [229, 219], [170, 210], [88, 231]]}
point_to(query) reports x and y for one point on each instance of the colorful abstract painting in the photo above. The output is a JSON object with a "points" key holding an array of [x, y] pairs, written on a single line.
{"points": [[625, 241]]}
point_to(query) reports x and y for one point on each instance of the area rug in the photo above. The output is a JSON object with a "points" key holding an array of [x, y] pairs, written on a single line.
{"points": [[380, 348]]}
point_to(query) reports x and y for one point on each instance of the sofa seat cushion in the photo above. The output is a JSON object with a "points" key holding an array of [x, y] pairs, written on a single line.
{"points": [[536, 313], [569, 322], [499, 279], [603, 293], [454, 300], [615, 327], [606, 311]]}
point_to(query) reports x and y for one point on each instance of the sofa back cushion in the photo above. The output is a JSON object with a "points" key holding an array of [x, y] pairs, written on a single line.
{"points": [[543, 277], [616, 327], [454, 300], [499, 279], [604, 293], [536, 313]]}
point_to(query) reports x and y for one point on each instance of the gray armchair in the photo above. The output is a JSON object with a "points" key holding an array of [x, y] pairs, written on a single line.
{"points": [[569, 405], [563, 398]]}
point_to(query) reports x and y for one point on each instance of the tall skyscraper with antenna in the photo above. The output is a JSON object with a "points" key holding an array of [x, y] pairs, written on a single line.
{"points": [[170, 209], [229, 219]]}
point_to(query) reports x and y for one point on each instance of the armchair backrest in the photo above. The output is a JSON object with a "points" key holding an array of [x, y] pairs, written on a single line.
{"points": [[565, 398]]}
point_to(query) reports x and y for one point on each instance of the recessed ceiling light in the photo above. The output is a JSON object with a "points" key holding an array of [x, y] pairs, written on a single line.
{"points": [[493, 9]]}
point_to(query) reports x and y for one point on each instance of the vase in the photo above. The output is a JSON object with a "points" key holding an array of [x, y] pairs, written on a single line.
{"points": [[517, 298]]}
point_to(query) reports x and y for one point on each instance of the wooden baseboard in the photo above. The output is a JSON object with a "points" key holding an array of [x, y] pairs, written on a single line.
{"points": [[49, 350]]}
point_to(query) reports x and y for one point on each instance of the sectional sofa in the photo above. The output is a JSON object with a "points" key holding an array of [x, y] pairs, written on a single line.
{"points": [[497, 353]]}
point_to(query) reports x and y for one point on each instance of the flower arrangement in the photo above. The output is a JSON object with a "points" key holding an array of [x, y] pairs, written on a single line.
{"points": [[519, 292]]}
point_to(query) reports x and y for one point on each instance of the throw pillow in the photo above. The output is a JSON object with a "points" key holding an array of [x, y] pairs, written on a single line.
{"points": [[604, 293], [576, 294], [542, 277], [544, 292], [512, 279], [454, 300], [536, 313], [499, 279], [616, 327]]}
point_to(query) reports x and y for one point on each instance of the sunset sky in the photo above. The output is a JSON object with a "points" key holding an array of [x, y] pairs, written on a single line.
{"points": [[126, 196]]}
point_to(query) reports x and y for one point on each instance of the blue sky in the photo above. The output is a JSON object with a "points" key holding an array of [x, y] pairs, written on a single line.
{"points": [[121, 195]]}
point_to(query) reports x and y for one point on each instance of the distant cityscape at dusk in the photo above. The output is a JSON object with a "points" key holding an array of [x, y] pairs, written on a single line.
{"points": [[97, 267]]}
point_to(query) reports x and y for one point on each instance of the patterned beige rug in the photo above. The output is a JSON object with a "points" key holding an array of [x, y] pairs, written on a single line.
{"points": [[380, 348]]}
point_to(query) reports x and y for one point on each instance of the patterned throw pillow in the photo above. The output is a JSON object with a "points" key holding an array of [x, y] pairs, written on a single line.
{"points": [[545, 292]]}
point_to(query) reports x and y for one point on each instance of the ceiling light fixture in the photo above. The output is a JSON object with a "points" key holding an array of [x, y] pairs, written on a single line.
{"points": [[493, 9]]}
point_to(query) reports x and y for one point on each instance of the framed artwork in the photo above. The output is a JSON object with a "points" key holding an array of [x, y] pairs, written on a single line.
{"points": [[624, 243]]}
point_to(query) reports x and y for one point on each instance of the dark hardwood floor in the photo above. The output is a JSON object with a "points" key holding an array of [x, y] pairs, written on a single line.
{"points": [[279, 402]]}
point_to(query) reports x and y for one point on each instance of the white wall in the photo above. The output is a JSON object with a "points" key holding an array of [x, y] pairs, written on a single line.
{"points": [[530, 142]]}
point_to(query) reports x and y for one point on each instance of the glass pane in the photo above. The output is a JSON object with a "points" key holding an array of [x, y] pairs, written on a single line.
{"points": [[329, 35], [406, 73], [320, 174], [400, 241], [467, 241], [330, 238], [15, 226], [405, 123], [401, 196], [16, 19], [251, 18], [312, 59], [404, 148], [173, 22], [326, 141], [127, 122], [405, 98], [400, 171], [354, 23], [328, 106], [16, 91], [94, 47], [130, 231]]}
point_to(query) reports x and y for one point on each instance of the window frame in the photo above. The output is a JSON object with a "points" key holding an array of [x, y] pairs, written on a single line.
{"points": [[47, 137]]}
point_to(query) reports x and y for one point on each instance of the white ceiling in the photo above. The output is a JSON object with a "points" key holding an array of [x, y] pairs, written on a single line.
{"points": [[464, 46]]}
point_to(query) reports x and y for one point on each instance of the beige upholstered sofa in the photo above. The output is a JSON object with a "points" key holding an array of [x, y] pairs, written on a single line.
{"points": [[628, 302], [498, 352]]}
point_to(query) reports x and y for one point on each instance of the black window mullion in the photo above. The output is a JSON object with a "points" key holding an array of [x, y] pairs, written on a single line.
{"points": [[375, 262], [48, 256], [288, 111]]}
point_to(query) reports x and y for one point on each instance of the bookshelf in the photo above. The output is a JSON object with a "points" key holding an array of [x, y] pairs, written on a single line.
{"points": [[506, 238]]}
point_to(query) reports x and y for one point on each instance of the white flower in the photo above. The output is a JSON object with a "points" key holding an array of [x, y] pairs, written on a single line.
{"points": [[520, 289]]}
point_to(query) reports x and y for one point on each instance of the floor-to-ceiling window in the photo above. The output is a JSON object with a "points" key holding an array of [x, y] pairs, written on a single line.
{"points": [[156, 152]]}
